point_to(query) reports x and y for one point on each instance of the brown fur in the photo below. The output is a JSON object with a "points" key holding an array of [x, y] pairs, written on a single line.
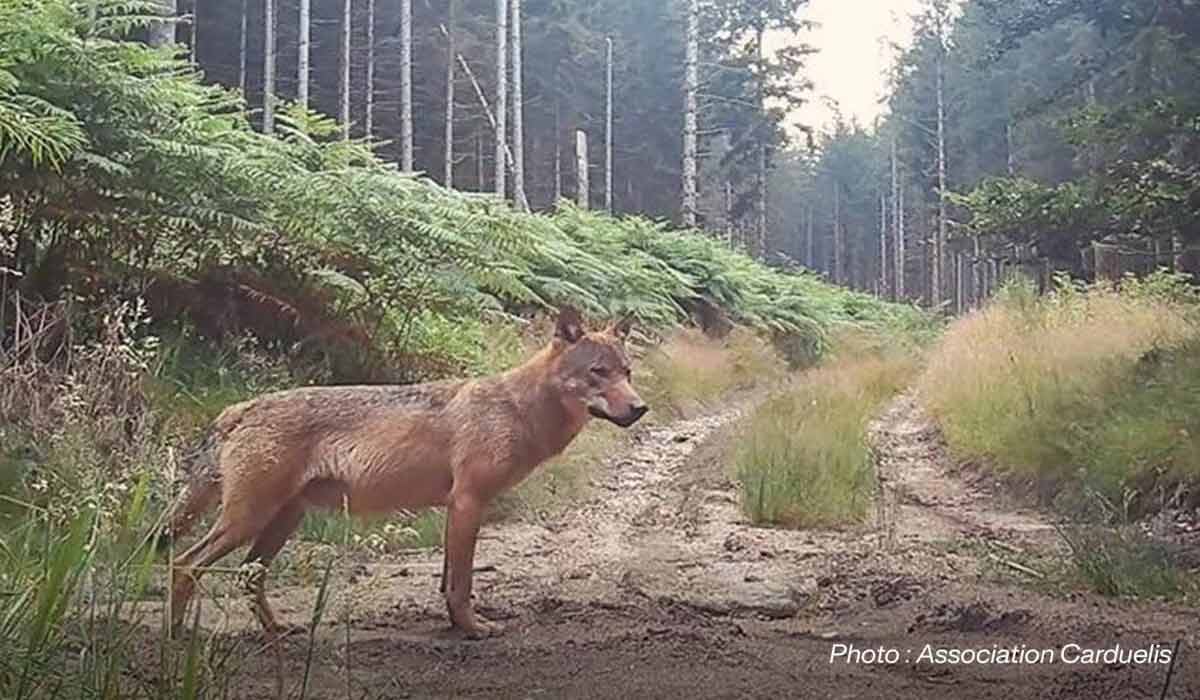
{"points": [[378, 448]]}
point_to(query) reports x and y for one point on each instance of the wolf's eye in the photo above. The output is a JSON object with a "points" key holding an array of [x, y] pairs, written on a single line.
{"points": [[600, 371]]}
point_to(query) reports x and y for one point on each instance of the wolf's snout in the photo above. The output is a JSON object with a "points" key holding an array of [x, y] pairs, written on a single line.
{"points": [[635, 413]]}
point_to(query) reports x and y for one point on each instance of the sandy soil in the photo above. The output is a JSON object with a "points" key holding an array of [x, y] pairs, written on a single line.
{"points": [[658, 587]]}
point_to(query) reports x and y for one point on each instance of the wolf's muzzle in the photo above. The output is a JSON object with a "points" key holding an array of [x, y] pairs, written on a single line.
{"points": [[634, 415]]}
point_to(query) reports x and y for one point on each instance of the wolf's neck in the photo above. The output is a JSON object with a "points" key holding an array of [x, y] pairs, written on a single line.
{"points": [[550, 426]]}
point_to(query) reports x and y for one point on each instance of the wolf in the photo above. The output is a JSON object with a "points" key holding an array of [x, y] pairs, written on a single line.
{"points": [[456, 444]]}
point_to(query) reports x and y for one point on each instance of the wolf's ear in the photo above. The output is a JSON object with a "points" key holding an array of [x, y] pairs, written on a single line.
{"points": [[570, 325], [620, 328]]}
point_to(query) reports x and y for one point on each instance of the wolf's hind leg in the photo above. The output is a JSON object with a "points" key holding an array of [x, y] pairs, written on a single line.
{"points": [[262, 552]]}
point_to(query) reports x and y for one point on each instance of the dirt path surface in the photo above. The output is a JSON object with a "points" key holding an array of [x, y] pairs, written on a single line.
{"points": [[657, 587]]}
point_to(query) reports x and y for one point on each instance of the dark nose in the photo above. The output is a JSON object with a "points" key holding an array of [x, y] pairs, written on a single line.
{"points": [[638, 411]]}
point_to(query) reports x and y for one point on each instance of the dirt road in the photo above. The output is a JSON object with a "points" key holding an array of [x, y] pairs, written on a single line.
{"points": [[656, 587]]}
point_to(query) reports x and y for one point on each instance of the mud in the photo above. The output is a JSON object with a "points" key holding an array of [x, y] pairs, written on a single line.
{"points": [[656, 586]]}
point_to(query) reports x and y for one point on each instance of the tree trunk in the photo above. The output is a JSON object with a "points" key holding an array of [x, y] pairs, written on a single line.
{"points": [[1008, 143], [899, 246], [810, 250], [761, 224], [242, 53], [729, 211], [583, 191], [518, 107], [345, 81], [690, 127], [406, 99], [960, 283], [369, 116], [505, 154], [895, 290], [883, 217], [976, 274], [194, 32], [558, 191], [448, 169], [608, 128], [268, 66], [838, 257], [480, 170], [163, 33], [303, 47], [939, 248], [501, 97]]}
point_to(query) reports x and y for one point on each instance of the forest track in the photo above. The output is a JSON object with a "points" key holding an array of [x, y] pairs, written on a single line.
{"points": [[657, 586]]}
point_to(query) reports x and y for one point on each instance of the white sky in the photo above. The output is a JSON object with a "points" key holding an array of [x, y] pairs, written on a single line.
{"points": [[853, 60]]}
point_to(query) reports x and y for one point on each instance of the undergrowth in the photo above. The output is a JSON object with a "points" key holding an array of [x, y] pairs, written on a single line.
{"points": [[802, 458], [1087, 388]]}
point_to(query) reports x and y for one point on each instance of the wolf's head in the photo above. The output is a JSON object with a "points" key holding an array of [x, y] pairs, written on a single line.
{"points": [[593, 370]]}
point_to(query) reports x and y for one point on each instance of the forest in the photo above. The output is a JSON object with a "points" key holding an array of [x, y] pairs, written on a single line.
{"points": [[1039, 136], [925, 382]]}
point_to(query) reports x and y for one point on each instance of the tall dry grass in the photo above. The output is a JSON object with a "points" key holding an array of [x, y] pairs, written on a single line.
{"points": [[690, 372], [1087, 384]]}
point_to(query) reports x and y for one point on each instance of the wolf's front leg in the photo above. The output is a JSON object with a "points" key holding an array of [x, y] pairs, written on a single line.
{"points": [[463, 518]]}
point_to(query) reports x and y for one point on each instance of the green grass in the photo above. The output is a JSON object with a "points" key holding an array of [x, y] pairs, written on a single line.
{"points": [[1123, 561], [802, 458]]}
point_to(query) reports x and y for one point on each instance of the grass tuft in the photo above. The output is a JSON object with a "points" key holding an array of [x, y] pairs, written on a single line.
{"points": [[803, 458]]}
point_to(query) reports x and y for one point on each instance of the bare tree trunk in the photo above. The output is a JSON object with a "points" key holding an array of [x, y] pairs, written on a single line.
{"points": [[729, 211], [518, 107], [581, 169], [690, 127], [895, 222], [761, 226], [487, 110], [960, 287], [939, 248], [194, 32], [406, 100], [899, 247], [501, 97], [269, 66], [883, 218], [480, 170], [303, 47], [345, 81], [976, 274], [242, 52], [558, 191], [608, 128], [369, 116], [810, 250], [163, 33], [1008, 143], [838, 257], [448, 172], [762, 162]]}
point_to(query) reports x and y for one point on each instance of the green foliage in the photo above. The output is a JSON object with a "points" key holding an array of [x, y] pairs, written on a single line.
{"points": [[1124, 562], [170, 185]]}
